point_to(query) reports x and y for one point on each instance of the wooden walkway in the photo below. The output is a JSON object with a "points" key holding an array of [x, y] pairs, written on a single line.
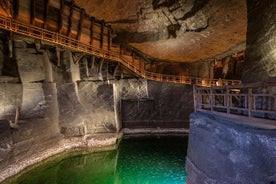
{"points": [[137, 65]]}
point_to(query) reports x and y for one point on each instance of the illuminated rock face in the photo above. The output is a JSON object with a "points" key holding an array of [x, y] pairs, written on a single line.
{"points": [[59, 99], [260, 60], [177, 30]]}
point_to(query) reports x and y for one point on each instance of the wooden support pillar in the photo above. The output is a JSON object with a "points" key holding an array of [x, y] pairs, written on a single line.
{"points": [[86, 68], [109, 37], [107, 78], [93, 62], [116, 69], [102, 33], [70, 18], [101, 65], [60, 17], [92, 30], [77, 59], [80, 23], [15, 9], [32, 12], [46, 11]]}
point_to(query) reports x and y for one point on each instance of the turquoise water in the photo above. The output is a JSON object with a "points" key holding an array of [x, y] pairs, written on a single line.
{"points": [[147, 160]]}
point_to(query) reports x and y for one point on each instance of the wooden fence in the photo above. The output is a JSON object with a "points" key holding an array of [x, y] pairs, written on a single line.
{"points": [[256, 100], [136, 65]]}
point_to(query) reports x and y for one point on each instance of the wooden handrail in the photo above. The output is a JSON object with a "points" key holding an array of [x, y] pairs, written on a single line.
{"points": [[255, 100], [130, 62]]}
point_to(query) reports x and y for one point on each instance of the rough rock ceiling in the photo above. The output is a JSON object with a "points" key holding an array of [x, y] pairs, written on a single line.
{"points": [[175, 30]]}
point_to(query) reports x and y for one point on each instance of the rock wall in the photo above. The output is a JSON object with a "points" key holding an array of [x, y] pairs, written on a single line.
{"points": [[222, 150], [157, 105], [48, 105], [44, 101], [260, 60], [35, 127]]}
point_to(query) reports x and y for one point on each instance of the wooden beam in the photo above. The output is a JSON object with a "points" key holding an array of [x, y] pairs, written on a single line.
{"points": [[102, 33], [92, 30], [109, 37], [101, 65], [70, 18], [60, 17], [32, 13], [6, 7], [116, 69], [93, 61], [77, 59], [15, 9], [80, 23], [46, 11], [86, 68]]}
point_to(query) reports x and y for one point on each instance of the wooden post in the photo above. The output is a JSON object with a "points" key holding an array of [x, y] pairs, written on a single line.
{"points": [[80, 24], [115, 70], [46, 10], [70, 19], [92, 30], [109, 37], [60, 17], [86, 68], [250, 102], [101, 65], [102, 34], [32, 16], [93, 62], [15, 9]]}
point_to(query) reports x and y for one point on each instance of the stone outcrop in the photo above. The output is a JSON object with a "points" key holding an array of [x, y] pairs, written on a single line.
{"points": [[260, 58], [223, 151]]}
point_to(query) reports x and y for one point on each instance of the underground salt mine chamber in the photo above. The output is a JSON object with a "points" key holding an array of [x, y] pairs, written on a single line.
{"points": [[137, 92]]}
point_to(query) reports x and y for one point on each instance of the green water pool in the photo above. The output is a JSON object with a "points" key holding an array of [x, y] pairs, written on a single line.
{"points": [[143, 160]]}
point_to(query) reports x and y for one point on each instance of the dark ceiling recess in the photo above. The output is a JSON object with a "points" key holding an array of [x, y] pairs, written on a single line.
{"points": [[161, 3]]}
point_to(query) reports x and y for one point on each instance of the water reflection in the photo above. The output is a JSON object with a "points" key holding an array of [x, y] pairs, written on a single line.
{"points": [[152, 160]]}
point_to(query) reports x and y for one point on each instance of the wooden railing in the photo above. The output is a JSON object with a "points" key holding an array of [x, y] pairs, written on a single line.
{"points": [[256, 100], [132, 63]]}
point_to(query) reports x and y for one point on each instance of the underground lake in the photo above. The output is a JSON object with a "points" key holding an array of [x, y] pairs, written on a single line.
{"points": [[138, 160]]}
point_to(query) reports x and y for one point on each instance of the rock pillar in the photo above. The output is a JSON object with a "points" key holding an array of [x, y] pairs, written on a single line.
{"points": [[260, 55]]}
